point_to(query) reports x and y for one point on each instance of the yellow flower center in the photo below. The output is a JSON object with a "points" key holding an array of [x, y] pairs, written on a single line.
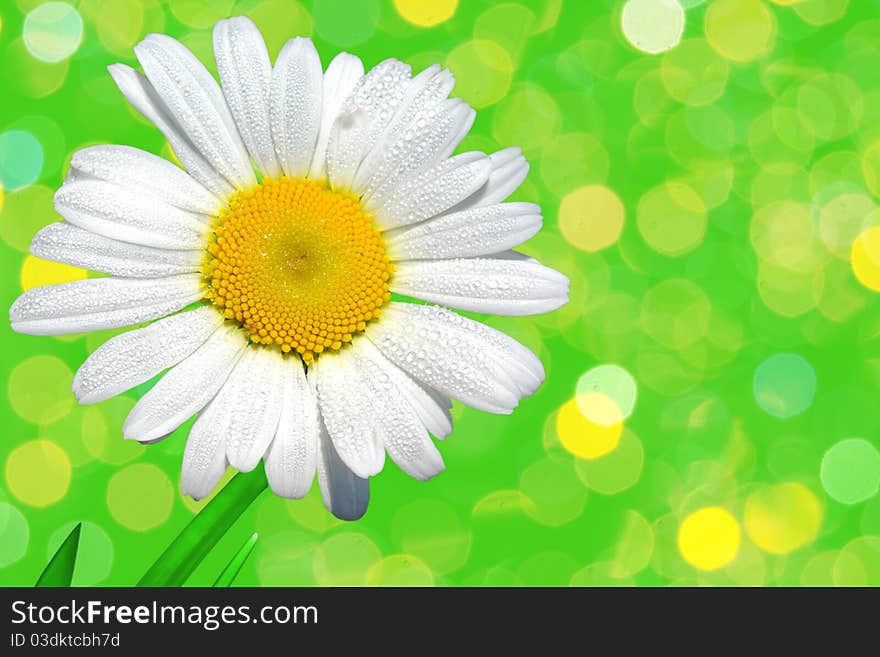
{"points": [[298, 265]]}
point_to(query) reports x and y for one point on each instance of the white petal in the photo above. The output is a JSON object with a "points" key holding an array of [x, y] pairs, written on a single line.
{"points": [[432, 408], [129, 359], [509, 169], [469, 233], [485, 285], [250, 404], [147, 173], [194, 99], [429, 139], [143, 97], [101, 303], [246, 73], [402, 433], [295, 105], [340, 78], [347, 414], [379, 94], [129, 216], [204, 463], [345, 494], [187, 388], [457, 356], [291, 459], [431, 192], [346, 148], [64, 242], [426, 91], [363, 117]]}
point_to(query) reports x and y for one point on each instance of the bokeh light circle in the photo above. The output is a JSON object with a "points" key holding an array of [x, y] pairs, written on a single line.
{"points": [[483, 71], [558, 493], [709, 538], [693, 73], [400, 570], [21, 159], [784, 385], [653, 26], [345, 559], [583, 437], [14, 534], [591, 218], [739, 30], [346, 24], [426, 13], [140, 497], [780, 519], [850, 471], [613, 382], [36, 272], [38, 389], [38, 473], [52, 31], [672, 218], [865, 258]]}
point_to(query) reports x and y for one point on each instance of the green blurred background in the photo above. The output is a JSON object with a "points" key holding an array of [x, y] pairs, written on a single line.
{"points": [[711, 409]]}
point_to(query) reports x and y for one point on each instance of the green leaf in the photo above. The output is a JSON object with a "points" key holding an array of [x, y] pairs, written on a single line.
{"points": [[234, 566], [59, 570], [186, 552]]}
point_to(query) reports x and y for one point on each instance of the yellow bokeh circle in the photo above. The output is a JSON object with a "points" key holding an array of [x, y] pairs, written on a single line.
{"points": [[591, 218], [38, 472], [709, 538], [426, 13], [140, 497], [865, 257], [582, 436], [739, 30], [780, 519], [36, 272]]}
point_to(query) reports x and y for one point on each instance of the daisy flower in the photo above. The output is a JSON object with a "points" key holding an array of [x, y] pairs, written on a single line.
{"points": [[308, 198]]}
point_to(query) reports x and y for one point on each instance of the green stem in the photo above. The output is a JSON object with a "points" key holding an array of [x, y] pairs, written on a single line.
{"points": [[186, 552], [236, 563], [59, 570]]}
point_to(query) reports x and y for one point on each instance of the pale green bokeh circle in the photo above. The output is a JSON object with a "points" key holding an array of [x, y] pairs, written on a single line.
{"points": [[400, 570], [140, 497], [653, 26], [784, 385], [432, 531], [635, 546], [483, 71], [528, 117], [614, 382], [53, 31], [94, 558], [572, 160], [346, 24], [693, 73], [39, 389], [23, 213], [14, 534], [672, 218], [200, 14], [676, 313], [344, 559], [21, 159], [558, 494], [850, 471], [616, 471]]}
